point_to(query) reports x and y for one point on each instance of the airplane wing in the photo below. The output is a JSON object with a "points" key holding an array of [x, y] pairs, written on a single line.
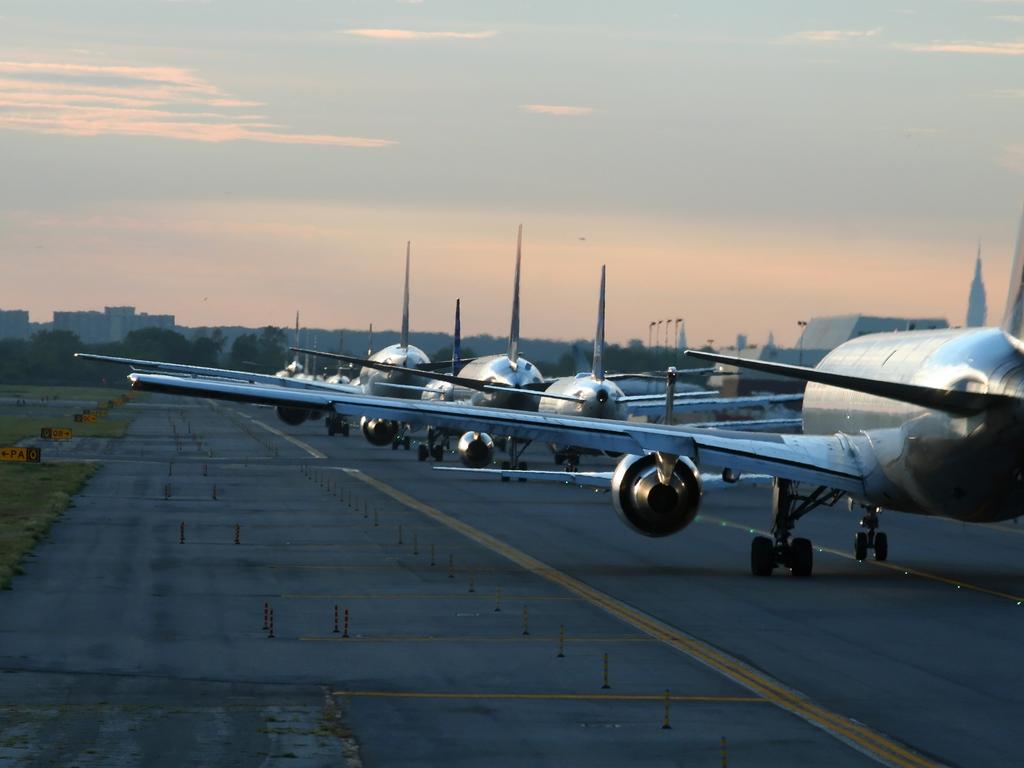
{"points": [[829, 460], [655, 404], [180, 369], [751, 425], [597, 480]]}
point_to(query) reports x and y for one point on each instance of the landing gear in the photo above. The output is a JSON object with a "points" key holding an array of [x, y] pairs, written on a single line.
{"points": [[872, 539], [788, 506], [401, 442], [437, 452], [336, 424], [422, 452], [569, 460]]}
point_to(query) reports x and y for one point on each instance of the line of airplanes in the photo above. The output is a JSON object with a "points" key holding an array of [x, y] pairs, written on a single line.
{"points": [[923, 422]]}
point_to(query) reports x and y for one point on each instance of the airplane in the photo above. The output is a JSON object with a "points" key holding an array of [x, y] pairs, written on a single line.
{"points": [[924, 422], [490, 381]]}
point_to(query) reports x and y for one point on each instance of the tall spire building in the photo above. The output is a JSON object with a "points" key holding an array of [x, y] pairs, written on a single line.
{"points": [[977, 311]]}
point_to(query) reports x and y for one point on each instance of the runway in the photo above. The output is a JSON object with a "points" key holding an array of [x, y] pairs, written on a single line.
{"points": [[121, 645]]}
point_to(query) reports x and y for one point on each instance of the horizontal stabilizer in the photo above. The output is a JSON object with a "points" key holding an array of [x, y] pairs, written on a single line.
{"points": [[955, 401]]}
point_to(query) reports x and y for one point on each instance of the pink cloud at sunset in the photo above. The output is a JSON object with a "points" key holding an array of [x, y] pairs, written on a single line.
{"points": [[412, 34], [160, 102], [557, 110]]}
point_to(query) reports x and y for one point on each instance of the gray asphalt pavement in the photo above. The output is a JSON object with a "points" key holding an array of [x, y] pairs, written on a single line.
{"points": [[123, 646]]}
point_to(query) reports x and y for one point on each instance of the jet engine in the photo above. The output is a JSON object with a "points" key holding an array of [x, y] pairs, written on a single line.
{"points": [[292, 416], [378, 431], [476, 449], [650, 507]]}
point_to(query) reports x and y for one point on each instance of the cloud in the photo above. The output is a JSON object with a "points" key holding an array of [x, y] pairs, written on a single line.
{"points": [[412, 34], [1009, 19], [556, 109], [970, 47], [78, 99], [835, 35]]}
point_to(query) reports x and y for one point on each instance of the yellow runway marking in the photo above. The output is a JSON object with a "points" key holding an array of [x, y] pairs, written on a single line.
{"points": [[549, 696], [484, 596], [473, 639], [293, 440], [856, 735], [1018, 599]]}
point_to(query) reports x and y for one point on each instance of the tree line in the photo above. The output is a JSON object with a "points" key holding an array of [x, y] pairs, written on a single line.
{"points": [[47, 357]]}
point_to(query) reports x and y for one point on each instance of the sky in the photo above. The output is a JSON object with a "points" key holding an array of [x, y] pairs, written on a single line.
{"points": [[742, 165]]}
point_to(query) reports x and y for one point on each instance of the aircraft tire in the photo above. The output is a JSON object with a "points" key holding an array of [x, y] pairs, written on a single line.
{"points": [[344, 429], [762, 556], [802, 557], [437, 452], [881, 547], [422, 452], [407, 442], [860, 546]]}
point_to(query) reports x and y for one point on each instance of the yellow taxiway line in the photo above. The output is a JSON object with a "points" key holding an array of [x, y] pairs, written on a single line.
{"points": [[553, 639], [549, 696], [905, 570], [855, 734]]}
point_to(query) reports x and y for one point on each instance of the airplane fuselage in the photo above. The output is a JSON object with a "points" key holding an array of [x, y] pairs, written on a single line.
{"points": [[495, 369], [599, 399], [926, 461], [375, 382]]}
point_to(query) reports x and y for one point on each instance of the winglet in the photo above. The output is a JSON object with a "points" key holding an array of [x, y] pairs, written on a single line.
{"points": [[1013, 317], [598, 367], [405, 299], [513, 334], [457, 340]]}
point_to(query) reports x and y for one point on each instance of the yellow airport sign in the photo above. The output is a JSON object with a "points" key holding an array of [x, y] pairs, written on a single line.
{"points": [[55, 433], [20, 454], [90, 417]]}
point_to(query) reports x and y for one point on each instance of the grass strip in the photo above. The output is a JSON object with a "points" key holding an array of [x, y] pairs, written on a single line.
{"points": [[32, 497]]}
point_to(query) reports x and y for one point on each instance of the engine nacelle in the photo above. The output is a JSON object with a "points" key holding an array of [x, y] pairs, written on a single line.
{"points": [[476, 449], [292, 416], [378, 431], [649, 507]]}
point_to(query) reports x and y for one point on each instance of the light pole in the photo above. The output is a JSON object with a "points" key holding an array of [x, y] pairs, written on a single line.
{"points": [[802, 324], [650, 335], [657, 332]]}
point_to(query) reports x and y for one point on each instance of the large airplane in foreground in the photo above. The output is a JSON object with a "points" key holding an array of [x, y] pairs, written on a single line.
{"points": [[925, 422]]}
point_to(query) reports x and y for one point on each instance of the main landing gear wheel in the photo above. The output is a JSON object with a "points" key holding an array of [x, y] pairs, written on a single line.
{"points": [[881, 547], [860, 546], [437, 452], [762, 556], [801, 557], [422, 452], [407, 442]]}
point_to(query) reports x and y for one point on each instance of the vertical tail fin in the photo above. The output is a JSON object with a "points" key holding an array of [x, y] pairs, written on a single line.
{"points": [[1013, 316], [598, 368], [457, 340], [405, 299], [369, 344], [513, 334]]}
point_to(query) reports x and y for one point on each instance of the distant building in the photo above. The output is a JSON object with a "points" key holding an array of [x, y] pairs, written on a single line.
{"points": [[820, 336], [681, 339], [14, 324], [112, 324], [977, 309]]}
